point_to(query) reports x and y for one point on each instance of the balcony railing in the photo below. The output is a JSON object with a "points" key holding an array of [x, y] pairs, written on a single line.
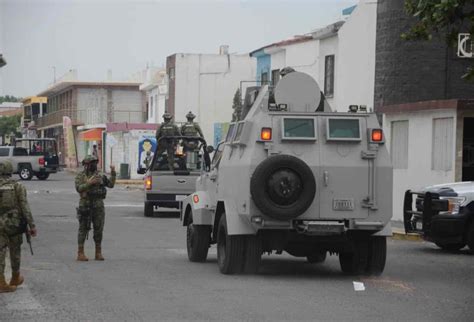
{"points": [[90, 116]]}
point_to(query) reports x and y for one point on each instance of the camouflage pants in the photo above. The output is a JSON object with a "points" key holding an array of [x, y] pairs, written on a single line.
{"points": [[13, 244], [97, 221], [169, 147]]}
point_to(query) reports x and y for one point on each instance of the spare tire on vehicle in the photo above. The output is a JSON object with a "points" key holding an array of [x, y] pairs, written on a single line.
{"points": [[283, 187]]}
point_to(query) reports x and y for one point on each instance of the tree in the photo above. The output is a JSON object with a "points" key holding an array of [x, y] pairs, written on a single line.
{"points": [[237, 106], [443, 17], [9, 126], [9, 98]]}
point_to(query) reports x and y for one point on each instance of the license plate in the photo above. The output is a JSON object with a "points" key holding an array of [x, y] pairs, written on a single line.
{"points": [[180, 197], [343, 204]]}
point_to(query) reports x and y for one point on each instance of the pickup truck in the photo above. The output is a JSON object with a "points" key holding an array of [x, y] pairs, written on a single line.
{"points": [[28, 163], [167, 188]]}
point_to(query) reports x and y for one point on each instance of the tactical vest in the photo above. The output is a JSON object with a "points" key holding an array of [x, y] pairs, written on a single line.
{"points": [[189, 129], [9, 215], [168, 130], [98, 191]]}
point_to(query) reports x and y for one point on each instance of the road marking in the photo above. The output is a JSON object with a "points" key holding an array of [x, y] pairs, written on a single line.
{"points": [[358, 286], [124, 205]]}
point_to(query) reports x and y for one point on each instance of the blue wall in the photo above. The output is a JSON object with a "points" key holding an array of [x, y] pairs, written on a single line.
{"points": [[264, 63]]}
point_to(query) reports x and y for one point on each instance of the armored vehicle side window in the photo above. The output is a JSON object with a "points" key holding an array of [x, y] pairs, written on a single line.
{"points": [[238, 134], [230, 133], [217, 156], [343, 129], [4, 152], [298, 129]]}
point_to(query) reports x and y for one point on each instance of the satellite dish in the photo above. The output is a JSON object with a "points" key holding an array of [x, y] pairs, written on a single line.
{"points": [[299, 91]]}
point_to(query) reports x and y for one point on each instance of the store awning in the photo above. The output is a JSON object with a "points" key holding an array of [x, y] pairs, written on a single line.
{"points": [[91, 135]]}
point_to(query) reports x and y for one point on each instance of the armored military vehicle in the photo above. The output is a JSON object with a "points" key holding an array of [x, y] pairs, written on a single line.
{"points": [[293, 176]]}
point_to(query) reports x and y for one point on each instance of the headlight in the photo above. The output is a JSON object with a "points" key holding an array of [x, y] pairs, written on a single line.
{"points": [[454, 204]]}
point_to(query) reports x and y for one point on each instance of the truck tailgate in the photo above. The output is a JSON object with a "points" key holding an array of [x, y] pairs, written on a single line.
{"points": [[169, 183]]}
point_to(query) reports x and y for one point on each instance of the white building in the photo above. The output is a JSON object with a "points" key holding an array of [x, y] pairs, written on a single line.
{"points": [[205, 84], [155, 87]]}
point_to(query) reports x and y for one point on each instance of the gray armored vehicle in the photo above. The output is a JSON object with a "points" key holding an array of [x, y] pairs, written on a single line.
{"points": [[293, 176]]}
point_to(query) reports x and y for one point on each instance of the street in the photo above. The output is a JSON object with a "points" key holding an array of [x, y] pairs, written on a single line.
{"points": [[147, 277]]}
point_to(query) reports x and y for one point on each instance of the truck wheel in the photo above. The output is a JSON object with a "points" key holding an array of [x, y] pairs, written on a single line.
{"points": [[453, 247], [253, 254], [470, 237], [198, 239], [148, 209], [283, 187], [355, 262], [318, 257], [42, 176], [25, 173], [230, 250], [377, 255]]}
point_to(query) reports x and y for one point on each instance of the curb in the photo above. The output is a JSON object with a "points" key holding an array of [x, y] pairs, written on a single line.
{"points": [[399, 234], [129, 182]]}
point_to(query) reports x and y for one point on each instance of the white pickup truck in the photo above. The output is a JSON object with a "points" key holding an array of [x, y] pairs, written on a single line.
{"points": [[28, 163]]}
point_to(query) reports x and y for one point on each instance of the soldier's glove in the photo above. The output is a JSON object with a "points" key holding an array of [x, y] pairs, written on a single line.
{"points": [[33, 232], [94, 181]]}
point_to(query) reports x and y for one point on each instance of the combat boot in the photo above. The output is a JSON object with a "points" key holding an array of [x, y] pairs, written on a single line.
{"points": [[80, 255], [4, 287], [98, 253], [17, 279]]}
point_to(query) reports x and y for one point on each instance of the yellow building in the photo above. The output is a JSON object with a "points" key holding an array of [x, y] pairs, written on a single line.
{"points": [[33, 108]]}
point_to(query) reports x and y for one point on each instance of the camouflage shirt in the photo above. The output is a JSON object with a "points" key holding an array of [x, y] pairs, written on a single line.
{"points": [[13, 205], [191, 129], [167, 129], [93, 193]]}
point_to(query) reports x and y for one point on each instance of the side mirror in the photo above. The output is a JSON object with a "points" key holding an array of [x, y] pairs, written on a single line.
{"points": [[141, 171], [209, 149]]}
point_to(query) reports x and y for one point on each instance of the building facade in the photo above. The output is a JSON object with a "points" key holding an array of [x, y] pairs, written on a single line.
{"points": [[205, 84], [155, 87]]}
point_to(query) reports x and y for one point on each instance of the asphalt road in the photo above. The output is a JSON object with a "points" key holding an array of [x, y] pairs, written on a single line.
{"points": [[147, 277]]}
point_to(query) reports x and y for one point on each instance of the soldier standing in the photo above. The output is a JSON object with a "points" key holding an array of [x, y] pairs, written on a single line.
{"points": [[167, 129], [15, 219], [91, 186], [191, 129]]}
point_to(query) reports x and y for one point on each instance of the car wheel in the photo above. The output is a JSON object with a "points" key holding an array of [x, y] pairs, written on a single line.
{"points": [[355, 262], [377, 255], [198, 239], [148, 209], [230, 250], [25, 173], [283, 187], [470, 237], [42, 176], [253, 254], [450, 247], [318, 257]]}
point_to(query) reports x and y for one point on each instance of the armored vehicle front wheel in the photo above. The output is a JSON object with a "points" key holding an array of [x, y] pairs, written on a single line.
{"points": [[230, 249], [355, 262], [198, 239], [318, 257]]}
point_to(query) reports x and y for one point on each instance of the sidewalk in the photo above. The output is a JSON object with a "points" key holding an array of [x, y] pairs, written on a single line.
{"points": [[398, 232]]}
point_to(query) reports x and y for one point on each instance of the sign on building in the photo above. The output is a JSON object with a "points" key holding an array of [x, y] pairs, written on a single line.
{"points": [[465, 46]]}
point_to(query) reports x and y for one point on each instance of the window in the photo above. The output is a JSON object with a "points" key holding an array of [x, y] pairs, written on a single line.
{"points": [[343, 129], [171, 73], [20, 152], [298, 128], [399, 144], [230, 132], [264, 78], [329, 76], [4, 152], [151, 107], [238, 134], [443, 144], [275, 76]]}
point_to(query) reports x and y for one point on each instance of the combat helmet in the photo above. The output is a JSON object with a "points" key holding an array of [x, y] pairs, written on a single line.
{"points": [[190, 116], [89, 159], [167, 116], [6, 169]]}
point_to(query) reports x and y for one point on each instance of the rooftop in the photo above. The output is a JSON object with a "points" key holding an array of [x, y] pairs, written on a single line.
{"points": [[61, 86], [286, 42]]}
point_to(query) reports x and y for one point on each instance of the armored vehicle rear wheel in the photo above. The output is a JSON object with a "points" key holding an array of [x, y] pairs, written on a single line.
{"points": [[253, 254], [377, 255], [318, 257], [451, 247], [148, 211], [355, 262], [283, 187], [230, 250], [197, 242]]}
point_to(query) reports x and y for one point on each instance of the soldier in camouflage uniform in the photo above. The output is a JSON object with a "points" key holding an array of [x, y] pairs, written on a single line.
{"points": [[91, 186], [15, 219], [166, 129]]}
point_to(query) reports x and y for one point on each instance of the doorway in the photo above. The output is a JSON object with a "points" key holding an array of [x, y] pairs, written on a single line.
{"points": [[468, 150]]}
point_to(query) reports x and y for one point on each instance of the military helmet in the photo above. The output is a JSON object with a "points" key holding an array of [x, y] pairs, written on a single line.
{"points": [[89, 159], [6, 168], [190, 116], [167, 116]]}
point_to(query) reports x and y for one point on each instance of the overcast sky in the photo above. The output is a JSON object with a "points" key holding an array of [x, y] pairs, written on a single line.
{"points": [[125, 36]]}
